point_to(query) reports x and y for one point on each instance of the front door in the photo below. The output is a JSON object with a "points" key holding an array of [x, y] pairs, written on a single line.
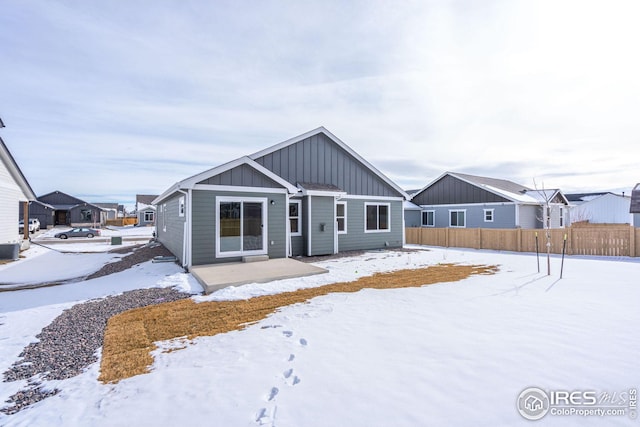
{"points": [[241, 226]]}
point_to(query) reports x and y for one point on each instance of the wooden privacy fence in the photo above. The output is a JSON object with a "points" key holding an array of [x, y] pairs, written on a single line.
{"points": [[593, 239], [121, 222]]}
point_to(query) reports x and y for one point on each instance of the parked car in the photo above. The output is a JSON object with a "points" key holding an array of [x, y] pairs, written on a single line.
{"points": [[34, 225], [78, 232]]}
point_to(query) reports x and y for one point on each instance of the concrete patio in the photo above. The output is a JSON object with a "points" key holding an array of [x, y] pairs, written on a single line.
{"points": [[217, 276]]}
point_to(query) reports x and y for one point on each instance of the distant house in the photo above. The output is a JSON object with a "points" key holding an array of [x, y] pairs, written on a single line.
{"points": [[58, 208], [600, 208], [309, 195], [635, 205], [15, 191], [111, 210], [145, 210], [460, 200]]}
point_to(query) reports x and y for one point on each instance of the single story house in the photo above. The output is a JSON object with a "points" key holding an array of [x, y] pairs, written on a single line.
{"points": [[15, 191], [145, 211], [460, 200], [58, 208], [111, 210], [600, 208], [309, 195], [635, 205]]}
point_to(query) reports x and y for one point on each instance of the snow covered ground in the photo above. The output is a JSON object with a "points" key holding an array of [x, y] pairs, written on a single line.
{"points": [[445, 354]]}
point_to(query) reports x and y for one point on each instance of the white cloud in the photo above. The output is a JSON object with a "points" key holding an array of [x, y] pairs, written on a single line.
{"points": [[548, 88]]}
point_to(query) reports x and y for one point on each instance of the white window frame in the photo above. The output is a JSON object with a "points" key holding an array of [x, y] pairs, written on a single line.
{"points": [[422, 218], [265, 231], [146, 216], [344, 216], [464, 211], [488, 211], [299, 203], [181, 206], [561, 217], [378, 230]]}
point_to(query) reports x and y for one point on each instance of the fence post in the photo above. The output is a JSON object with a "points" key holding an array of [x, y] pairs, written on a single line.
{"points": [[479, 238], [632, 241], [519, 240], [446, 237]]}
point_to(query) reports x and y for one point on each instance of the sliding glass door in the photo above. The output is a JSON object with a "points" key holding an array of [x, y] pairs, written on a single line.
{"points": [[241, 226]]}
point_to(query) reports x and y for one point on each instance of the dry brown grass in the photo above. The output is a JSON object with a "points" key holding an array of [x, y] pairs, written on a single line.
{"points": [[130, 336]]}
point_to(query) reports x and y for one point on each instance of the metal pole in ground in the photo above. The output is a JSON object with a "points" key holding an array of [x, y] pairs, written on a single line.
{"points": [[537, 253], [564, 246]]}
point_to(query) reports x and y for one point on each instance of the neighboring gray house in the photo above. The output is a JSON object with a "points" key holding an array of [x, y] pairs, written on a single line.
{"points": [[635, 205], [14, 190], [309, 195], [58, 208], [469, 201], [145, 211], [600, 208]]}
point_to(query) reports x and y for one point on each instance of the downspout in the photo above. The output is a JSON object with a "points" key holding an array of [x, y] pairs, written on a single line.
{"points": [[288, 225], [309, 226], [186, 230]]}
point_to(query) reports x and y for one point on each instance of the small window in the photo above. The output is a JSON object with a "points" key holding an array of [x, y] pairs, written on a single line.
{"points": [[488, 215], [181, 206], [148, 216], [294, 217], [376, 217], [561, 217], [341, 217], [457, 218], [429, 218], [85, 215]]}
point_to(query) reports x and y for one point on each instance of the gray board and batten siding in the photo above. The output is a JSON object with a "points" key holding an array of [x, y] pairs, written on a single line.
{"points": [[317, 159], [450, 190], [242, 176], [170, 226]]}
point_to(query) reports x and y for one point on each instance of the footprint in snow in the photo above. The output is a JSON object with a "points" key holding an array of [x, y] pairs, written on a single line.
{"points": [[287, 334], [273, 393], [303, 342]]}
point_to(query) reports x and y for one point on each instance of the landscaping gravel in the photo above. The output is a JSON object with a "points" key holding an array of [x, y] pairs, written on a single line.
{"points": [[70, 343]]}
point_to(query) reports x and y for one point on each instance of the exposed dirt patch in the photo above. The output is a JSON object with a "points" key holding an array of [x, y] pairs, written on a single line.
{"points": [[346, 254], [130, 336]]}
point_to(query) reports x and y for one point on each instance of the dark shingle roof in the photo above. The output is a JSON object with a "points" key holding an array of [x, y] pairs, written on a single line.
{"points": [[147, 199], [501, 184]]}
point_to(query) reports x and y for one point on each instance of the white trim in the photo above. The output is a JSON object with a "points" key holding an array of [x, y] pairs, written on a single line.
{"points": [[373, 198], [378, 230], [517, 216], [323, 193], [265, 234], [335, 226], [475, 205], [287, 227], [309, 212], [189, 228], [484, 214], [239, 189], [341, 144], [465, 218], [346, 229], [164, 217], [422, 224], [191, 182], [181, 206], [299, 203]]}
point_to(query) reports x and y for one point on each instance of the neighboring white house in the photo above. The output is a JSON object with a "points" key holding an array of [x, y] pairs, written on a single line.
{"points": [[145, 211], [600, 208], [14, 189]]}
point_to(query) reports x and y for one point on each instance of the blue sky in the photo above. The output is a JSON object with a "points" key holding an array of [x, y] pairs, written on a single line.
{"points": [[104, 100]]}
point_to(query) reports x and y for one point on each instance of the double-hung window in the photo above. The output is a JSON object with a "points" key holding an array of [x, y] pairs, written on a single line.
{"points": [[428, 218], [294, 217], [488, 215], [457, 218], [377, 217], [341, 217]]}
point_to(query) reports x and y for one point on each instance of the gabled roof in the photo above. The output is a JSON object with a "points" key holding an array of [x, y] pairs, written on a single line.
{"points": [[146, 199], [509, 190], [501, 187], [65, 206], [14, 170], [635, 199], [190, 182], [583, 197], [337, 141]]}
